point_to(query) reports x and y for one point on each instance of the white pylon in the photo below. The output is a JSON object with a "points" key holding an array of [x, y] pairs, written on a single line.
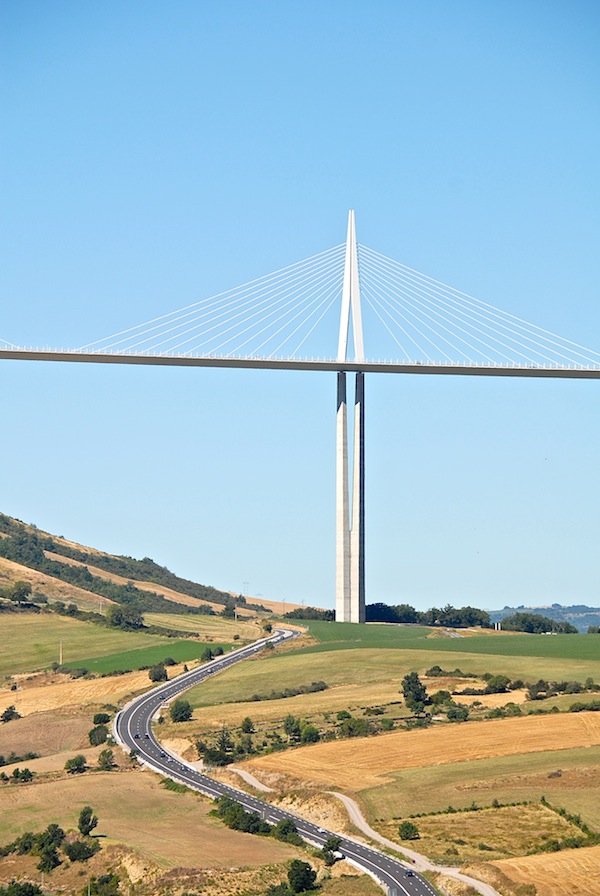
{"points": [[350, 542]]}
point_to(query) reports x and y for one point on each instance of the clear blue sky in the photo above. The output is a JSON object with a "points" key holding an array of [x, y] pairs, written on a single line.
{"points": [[154, 154]]}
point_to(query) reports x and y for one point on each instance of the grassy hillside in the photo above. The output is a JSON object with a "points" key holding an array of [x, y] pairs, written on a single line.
{"points": [[31, 642], [153, 588]]}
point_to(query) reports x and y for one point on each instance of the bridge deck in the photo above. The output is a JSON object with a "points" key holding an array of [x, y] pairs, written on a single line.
{"points": [[308, 364]]}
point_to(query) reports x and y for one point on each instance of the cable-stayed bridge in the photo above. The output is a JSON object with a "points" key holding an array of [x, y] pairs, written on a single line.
{"points": [[293, 318]]}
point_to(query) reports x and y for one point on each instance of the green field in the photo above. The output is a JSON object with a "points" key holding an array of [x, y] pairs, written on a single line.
{"points": [[345, 636], [363, 666], [130, 660], [31, 641]]}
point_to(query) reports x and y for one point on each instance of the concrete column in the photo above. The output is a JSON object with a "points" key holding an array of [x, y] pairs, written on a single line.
{"points": [[357, 545], [342, 512]]}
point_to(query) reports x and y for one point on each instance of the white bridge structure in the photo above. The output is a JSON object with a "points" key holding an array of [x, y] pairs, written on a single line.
{"points": [[289, 319]]}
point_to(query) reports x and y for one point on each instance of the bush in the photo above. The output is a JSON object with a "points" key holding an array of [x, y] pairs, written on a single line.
{"points": [[9, 714], [101, 718], [76, 765], [106, 760], [81, 850]]}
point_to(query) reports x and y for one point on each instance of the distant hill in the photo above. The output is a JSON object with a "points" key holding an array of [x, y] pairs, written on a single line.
{"points": [[67, 571], [578, 615]]}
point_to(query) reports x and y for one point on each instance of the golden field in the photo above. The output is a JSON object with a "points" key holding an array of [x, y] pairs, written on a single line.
{"points": [[366, 762]]}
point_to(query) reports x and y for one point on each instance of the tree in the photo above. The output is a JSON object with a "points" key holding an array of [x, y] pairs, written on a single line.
{"points": [[286, 830], [414, 692], [157, 673], [105, 885], [9, 714], [301, 876], [247, 726], [20, 591], [76, 765], [224, 742], [106, 760], [181, 710], [309, 734], [125, 617], [87, 821], [291, 726], [98, 735], [408, 831], [21, 889], [48, 859]]}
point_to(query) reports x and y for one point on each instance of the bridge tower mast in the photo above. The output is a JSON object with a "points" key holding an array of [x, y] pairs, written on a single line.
{"points": [[350, 538]]}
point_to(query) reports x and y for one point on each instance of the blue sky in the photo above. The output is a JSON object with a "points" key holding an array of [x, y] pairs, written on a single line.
{"points": [[154, 154]]}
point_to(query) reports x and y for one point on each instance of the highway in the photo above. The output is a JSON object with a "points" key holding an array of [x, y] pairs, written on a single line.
{"points": [[133, 730]]}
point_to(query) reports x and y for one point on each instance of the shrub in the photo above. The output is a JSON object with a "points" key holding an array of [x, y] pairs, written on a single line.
{"points": [[76, 765], [101, 718], [9, 714], [81, 850]]}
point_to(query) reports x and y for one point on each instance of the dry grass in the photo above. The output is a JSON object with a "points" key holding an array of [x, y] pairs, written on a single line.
{"points": [[165, 828], [575, 872], [366, 762], [66, 692], [53, 588], [569, 778], [487, 834], [208, 627], [168, 593], [353, 697], [47, 733]]}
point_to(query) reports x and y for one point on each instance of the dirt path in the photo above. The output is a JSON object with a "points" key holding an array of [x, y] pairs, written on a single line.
{"points": [[250, 779], [421, 862]]}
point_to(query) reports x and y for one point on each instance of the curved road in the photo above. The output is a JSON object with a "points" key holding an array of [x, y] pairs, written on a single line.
{"points": [[133, 730]]}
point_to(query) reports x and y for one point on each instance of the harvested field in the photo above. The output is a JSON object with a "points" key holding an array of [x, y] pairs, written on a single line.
{"points": [[366, 762], [73, 692], [573, 871], [166, 828], [567, 778], [47, 732], [207, 627]]}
